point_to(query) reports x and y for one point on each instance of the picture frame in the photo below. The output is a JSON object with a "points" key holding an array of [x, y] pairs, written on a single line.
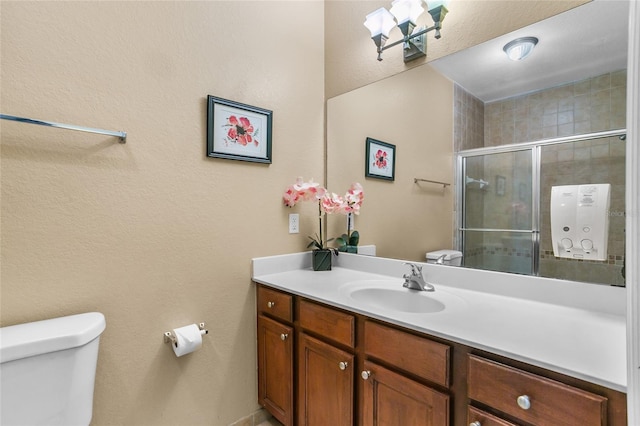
{"points": [[237, 131], [501, 184], [380, 160]]}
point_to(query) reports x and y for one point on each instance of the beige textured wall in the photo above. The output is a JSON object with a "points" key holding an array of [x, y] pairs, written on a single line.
{"points": [[351, 55], [153, 233], [403, 219]]}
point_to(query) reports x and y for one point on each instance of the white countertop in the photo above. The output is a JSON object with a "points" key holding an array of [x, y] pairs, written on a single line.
{"points": [[572, 328]]}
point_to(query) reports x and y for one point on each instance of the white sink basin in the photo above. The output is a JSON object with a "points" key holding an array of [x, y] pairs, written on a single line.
{"points": [[390, 295], [402, 300]]}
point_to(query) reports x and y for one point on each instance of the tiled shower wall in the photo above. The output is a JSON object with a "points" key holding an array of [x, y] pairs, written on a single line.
{"points": [[594, 161], [586, 106]]}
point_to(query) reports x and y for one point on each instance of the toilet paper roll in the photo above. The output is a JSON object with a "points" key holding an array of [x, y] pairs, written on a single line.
{"points": [[188, 339]]}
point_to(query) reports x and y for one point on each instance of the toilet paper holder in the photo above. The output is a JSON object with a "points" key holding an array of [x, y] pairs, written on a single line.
{"points": [[169, 337]]}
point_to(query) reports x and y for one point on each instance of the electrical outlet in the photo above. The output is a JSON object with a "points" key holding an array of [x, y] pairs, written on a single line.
{"points": [[294, 223]]}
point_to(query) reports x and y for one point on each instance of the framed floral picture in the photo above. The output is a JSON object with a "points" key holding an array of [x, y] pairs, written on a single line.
{"points": [[237, 131], [380, 160]]}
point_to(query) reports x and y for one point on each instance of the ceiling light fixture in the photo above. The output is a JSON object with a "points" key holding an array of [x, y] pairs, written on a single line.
{"points": [[520, 48], [405, 12]]}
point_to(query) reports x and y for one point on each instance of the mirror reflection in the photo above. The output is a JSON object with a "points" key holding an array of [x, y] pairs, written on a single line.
{"points": [[518, 130]]}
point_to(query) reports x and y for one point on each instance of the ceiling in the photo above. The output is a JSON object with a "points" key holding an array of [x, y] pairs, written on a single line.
{"points": [[583, 42]]}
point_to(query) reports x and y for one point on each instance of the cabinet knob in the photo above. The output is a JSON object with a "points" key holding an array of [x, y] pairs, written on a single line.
{"points": [[343, 365], [476, 423], [284, 336], [524, 402], [365, 374], [271, 304]]}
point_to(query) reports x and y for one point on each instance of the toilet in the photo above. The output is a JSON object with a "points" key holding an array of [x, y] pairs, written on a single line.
{"points": [[445, 257], [47, 370]]}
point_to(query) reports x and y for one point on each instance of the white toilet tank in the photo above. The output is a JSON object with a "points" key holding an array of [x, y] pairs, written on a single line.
{"points": [[47, 370]]}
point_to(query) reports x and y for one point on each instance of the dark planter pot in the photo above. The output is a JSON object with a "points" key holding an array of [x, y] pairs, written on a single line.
{"points": [[321, 260]]}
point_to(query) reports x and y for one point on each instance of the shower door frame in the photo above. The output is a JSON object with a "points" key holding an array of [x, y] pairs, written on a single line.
{"points": [[536, 149]]}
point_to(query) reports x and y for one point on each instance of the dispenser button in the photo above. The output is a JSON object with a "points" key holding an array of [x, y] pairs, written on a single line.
{"points": [[587, 244], [565, 229], [566, 243], [586, 229]]}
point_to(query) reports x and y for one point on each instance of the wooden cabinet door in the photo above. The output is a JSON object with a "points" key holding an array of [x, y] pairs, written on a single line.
{"points": [[325, 384], [275, 369], [390, 399]]}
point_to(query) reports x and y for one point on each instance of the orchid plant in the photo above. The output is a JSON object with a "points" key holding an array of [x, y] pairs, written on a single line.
{"points": [[328, 203]]}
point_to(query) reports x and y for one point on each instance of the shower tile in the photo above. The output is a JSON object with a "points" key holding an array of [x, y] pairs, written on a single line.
{"points": [[549, 132], [582, 101], [565, 129], [565, 117], [581, 154], [565, 104], [549, 120], [618, 120], [550, 107], [601, 97], [618, 96], [600, 150], [565, 155], [617, 148], [582, 127], [619, 78], [600, 82], [582, 114], [508, 105], [581, 87]]}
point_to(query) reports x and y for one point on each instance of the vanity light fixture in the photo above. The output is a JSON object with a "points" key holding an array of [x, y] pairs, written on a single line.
{"points": [[405, 12], [520, 48]]}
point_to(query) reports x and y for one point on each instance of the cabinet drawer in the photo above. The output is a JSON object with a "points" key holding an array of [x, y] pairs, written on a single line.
{"points": [[476, 417], [417, 355], [550, 403], [327, 322], [275, 303]]}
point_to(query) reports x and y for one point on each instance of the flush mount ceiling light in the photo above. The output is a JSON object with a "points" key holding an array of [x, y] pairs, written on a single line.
{"points": [[520, 48], [405, 12]]}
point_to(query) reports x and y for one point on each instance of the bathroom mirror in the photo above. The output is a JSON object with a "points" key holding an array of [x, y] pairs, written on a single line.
{"points": [[406, 219]]}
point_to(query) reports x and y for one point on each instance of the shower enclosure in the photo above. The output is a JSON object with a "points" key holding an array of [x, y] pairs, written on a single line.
{"points": [[504, 204]]}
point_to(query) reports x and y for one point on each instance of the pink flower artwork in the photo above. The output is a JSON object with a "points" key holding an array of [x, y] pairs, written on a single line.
{"points": [[241, 131], [381, 159]]}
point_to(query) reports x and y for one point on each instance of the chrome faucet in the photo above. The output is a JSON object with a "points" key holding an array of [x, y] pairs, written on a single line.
{"points": [[415, 280]]}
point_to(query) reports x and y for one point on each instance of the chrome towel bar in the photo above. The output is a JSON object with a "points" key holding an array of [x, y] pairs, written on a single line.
{"points": [[121, 135], [444, 184]]}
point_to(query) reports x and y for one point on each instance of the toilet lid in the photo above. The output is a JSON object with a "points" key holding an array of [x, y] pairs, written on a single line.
{"points": [[39, 337]]}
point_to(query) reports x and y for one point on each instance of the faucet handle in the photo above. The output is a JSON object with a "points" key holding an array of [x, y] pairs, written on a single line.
{"points": [[415, 269]]}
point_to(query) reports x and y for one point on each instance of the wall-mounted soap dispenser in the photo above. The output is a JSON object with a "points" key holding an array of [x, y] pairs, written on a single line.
{"points": [[580, 221]]}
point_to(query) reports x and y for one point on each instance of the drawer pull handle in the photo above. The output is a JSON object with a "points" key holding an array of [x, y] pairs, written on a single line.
{"points": [[365, 374], [271, 304], [284, 336], [476, 423], [524, 402], [343, 365]]}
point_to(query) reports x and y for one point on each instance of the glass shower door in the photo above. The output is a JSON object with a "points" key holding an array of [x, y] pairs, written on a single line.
{"points": [[498, 229]]}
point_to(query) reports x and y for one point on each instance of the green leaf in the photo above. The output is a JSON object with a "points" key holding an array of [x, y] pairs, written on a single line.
{"points": [[355, 238]]}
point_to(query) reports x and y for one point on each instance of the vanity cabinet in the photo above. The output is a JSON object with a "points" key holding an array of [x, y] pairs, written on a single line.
{"points": [[325, 383], [531, 398], [275, 354], [390, 398], [354, 370], [325, 365]]}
